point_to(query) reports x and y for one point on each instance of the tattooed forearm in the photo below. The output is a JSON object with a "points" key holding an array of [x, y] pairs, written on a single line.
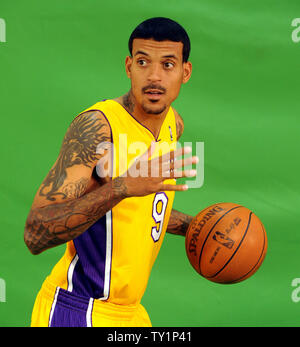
{"points": [[75, 190], [178, 223], [78, 148], [56, 224]]}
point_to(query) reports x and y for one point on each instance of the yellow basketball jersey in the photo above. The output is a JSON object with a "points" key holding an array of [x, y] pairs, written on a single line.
{"points": [[112, 260]]}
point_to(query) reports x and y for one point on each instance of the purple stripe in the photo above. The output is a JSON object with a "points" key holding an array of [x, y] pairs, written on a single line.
{"points": [[89, 272], [70, 310]]}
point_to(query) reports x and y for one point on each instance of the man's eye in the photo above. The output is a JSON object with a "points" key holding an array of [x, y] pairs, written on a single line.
{"points": [[168, 65], [142, 62]]}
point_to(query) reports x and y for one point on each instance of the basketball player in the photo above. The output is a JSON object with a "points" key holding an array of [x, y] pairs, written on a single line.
{"points": [[114, 224]]}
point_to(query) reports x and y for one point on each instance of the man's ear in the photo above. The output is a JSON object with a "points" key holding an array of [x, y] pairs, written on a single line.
{"points": [[187, 71], [128, 63]]}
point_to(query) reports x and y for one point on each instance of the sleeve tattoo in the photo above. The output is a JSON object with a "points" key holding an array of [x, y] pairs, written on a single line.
{"points": [[60, 222], [56, 224], [178, 223], [78, 148]]}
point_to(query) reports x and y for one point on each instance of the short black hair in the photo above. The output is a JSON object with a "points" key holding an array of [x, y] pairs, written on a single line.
{"points": [[161, 29]]}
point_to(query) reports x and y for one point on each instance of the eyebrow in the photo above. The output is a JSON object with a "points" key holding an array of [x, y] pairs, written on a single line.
{"points": [[165, 56], [170, 56]]}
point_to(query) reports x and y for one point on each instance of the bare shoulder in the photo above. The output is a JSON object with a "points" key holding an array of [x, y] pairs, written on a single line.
{"points": [[179, 124]]}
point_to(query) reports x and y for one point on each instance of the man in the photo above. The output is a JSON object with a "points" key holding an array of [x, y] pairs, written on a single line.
{"points": [[113, 219]]}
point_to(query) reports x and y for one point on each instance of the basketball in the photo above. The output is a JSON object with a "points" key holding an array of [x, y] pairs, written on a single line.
{"points": [[226, 243]]}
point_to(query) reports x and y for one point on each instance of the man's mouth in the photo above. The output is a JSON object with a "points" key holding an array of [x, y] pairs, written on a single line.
{"points": [[154, 94]]}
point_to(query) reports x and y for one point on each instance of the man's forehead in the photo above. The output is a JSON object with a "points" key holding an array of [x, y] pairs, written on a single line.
{"points": [[152, 47]]}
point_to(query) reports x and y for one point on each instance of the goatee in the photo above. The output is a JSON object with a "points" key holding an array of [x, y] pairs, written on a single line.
{"points": [[153, 111]]}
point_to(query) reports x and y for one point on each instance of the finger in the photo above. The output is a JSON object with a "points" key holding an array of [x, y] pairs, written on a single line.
{"points": [[174, 187], [169, 156], [178, 163], [184, 173], [179, 174]]}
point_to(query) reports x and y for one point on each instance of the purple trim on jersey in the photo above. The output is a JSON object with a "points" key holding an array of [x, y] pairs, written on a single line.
{"points": [[89, 272], [70, 310]]}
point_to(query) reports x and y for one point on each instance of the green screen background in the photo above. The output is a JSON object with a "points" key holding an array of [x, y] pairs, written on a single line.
{"points": [[61, 57]]}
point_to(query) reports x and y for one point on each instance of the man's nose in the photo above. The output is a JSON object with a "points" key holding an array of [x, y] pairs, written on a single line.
{"points": [[154, 73]]}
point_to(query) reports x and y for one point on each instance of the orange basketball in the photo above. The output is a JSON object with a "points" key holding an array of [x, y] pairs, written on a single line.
{"points": [[226, 243]]}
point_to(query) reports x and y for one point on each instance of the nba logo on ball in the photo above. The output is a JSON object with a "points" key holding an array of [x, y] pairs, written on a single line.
{"points": [[226, 243]]}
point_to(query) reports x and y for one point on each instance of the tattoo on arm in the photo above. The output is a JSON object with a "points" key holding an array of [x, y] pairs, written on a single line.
{"points": [[179, 126], [78, 148], [56, 224], [75, 190], [178, 223]]}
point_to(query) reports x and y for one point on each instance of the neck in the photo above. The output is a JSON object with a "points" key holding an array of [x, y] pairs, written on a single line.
{"points": [[152, 121]]}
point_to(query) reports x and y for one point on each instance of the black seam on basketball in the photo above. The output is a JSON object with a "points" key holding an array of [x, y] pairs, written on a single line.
{"points": [[195, 222], [229, 260], [234, 208], [262, 252]]}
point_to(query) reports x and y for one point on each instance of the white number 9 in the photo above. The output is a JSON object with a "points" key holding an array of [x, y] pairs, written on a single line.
{"points": [[158, 216]]}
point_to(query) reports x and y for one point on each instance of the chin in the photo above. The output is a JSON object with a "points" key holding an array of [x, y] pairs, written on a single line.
{"points": [[154, 109]]}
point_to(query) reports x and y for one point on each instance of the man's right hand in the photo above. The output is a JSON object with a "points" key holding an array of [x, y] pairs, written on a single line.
{"points": [[153, 172]]}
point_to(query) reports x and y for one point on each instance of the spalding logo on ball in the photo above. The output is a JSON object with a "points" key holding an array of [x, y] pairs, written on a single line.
{"points": [[226, 243]]}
